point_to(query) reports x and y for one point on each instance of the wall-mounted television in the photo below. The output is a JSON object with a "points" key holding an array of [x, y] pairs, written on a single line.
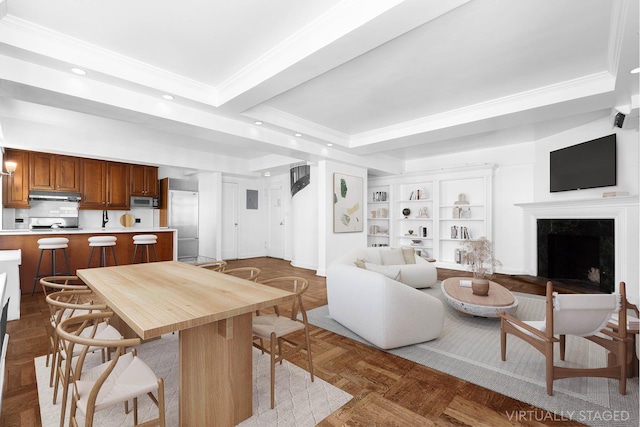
{"points": [[591, 164]]}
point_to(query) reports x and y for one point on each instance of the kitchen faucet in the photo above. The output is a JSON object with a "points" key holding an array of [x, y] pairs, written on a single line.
{"points": [[105, 218]]}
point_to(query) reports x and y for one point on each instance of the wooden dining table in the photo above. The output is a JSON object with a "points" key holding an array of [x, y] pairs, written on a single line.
{"points": [[212, 313]]}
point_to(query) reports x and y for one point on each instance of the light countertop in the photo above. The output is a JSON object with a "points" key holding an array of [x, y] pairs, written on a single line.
{"points": [[89, 230]]}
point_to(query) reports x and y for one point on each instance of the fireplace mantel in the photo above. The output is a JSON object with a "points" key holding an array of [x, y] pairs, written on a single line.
{"points": [[623, 210], [563, 205]]}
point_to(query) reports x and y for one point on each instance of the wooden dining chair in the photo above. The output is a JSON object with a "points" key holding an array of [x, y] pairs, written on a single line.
{"points": [[125, 377], [582, 315], [248, 273], [278, 328], [67, 305], [215, 265], [55, 284]]}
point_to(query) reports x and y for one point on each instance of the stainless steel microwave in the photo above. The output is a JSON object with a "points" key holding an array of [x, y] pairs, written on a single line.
{"points": [[142, 202]]}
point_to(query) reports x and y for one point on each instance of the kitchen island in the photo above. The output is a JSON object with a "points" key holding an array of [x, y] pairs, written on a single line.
{"points": [[78, 250]]}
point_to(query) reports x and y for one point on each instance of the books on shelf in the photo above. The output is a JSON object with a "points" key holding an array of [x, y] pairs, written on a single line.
{"points": [[418, 195]]}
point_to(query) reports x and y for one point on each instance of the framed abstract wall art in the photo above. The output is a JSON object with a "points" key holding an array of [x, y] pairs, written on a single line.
{"points": [[348, 211]]}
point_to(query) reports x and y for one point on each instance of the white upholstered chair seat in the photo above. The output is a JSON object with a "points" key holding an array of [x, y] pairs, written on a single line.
{"points": [[266, 324], [130, 378], [593, 310], [123, 378], [104, 332]]}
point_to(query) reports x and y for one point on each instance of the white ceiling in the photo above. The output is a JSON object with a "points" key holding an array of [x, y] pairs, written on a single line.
{"points": [[383, 81]]}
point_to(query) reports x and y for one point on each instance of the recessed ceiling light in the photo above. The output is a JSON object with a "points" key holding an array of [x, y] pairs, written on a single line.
{"points": [[79, 71], [258, 122], [267, 173], [635, 70], [329, 145], [167, 97], [298, 135]]}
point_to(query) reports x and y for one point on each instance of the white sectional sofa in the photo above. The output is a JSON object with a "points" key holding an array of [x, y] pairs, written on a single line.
{"points": [[384, 311]]}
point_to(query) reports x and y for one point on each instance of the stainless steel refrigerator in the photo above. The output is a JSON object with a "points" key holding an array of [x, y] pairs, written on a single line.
{"points": [[182, 214]]}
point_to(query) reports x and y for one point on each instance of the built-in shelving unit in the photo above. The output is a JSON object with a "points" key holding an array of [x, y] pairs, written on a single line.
{"points": [[414, 217], [378, 216], [434, 212], [462, 215]]}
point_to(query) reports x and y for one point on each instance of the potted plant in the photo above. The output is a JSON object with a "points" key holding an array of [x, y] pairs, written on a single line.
{"points": [[481, 262]]}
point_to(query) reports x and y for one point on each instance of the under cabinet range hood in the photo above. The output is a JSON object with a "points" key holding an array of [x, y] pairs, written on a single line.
{"points": [[57, 196]]}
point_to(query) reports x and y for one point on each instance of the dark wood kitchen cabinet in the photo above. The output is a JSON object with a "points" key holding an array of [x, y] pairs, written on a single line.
{"points": [[144, 180], [52, 172], [105, 185], [117, 181], [15, 188]]}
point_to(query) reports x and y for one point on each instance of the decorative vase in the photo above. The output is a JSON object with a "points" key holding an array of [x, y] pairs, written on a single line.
{"points": [[480, 287]]}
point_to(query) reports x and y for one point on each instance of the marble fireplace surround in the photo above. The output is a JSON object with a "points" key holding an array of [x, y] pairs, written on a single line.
{"points": [[624, 212]]}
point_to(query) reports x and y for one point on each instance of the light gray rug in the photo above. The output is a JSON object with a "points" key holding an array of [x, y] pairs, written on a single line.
{"points": [[299, 402], [469, 348]]}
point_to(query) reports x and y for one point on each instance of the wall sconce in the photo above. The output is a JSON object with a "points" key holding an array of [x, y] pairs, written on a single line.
{"points": [[10, 167]]}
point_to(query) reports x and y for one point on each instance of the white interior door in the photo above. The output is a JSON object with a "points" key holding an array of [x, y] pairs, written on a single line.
{"points": [[275, 235], [229, 220]]}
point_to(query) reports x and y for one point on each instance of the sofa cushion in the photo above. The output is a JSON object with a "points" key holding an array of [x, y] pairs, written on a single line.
{"points": [[392, 257], [390, 271], [359, 262], [409, 255]]}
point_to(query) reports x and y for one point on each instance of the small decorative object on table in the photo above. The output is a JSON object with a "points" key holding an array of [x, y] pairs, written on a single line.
{"points": [[406, 212], [481, 262]]}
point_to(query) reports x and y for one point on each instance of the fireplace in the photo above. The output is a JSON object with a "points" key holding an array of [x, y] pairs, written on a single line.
{"points": [[622, 211], [578, 252]]}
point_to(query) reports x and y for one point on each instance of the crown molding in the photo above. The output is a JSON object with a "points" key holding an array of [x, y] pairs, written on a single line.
{"points": [[585, 86], [308, 128], [340, 20], [619, 12], [51, 44]]}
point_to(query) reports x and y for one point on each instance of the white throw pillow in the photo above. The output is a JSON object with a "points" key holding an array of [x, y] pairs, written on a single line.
{"points": [[409, 255], [390, 271], [392, 257], [360, 262]]}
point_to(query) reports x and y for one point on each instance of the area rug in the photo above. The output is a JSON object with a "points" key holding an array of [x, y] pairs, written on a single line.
{"points": [[469, 348], [299, 402]]}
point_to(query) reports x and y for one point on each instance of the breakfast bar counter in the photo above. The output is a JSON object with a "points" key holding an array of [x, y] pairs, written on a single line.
{"points": [[78, 250]]}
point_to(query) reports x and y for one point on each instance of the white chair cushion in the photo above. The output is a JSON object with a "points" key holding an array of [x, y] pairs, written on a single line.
{"points": [[130, 378], [104, 332], [102, 240], [53, 243], [145, 239], [592, 310], [265, 324]]}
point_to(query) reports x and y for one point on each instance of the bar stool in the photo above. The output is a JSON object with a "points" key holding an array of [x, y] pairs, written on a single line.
{"points": [[103, 242], [145, 240], [51, 244]]}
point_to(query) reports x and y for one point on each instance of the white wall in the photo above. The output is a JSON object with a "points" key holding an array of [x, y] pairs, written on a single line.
{"points": [[210, 214], [332, 245], [627, 157], [251, 222], [522, 176], [305, 224]]}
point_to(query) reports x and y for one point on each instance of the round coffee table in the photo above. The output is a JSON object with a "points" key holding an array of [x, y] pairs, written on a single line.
{"points": [[462, 299]]}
